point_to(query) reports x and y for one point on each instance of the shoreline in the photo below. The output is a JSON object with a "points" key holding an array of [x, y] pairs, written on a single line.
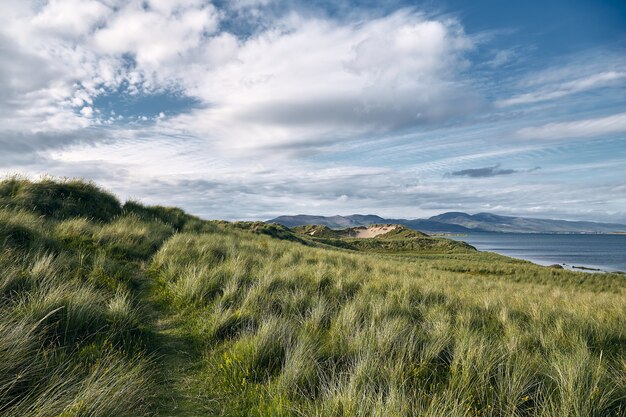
{"points": [[590, 269], [582, 253]]}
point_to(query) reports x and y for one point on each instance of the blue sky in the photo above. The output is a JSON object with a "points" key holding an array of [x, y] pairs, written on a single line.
{"points": [[254, 108]]}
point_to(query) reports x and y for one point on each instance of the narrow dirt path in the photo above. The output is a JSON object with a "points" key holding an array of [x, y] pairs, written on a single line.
{"points": [[178, 365], [178, 356]]}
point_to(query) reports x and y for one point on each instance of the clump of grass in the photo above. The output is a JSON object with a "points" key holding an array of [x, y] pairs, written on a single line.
{"points": [[77, 233], [130, 236], [59, 199], [172, 216], [21, 230], [71, 338]]}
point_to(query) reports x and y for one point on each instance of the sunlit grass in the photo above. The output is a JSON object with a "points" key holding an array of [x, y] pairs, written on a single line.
{"points": [[293, 330], [125, 310]]}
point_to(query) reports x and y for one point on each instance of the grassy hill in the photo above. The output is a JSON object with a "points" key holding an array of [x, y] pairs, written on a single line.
{"points": [[398, 240], [395, 231], [111, 309]]}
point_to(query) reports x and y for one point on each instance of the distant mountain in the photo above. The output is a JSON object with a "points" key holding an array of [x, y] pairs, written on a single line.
{"points": [[458, 222], [355, 220], [494, 223], [431, 226], [333, 222]]}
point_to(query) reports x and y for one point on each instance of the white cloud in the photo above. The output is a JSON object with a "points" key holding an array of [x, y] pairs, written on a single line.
{"points": [[157, 34], [503, 57], [242, 4], [301, 81], [314, 80], [215, 187], [57, 56], [575, 129], [583, 72], [603, 79], [70, 17], [86, 111]]}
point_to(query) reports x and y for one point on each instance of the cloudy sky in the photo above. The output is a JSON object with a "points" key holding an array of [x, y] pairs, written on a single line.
{"points": [[247, 109]]}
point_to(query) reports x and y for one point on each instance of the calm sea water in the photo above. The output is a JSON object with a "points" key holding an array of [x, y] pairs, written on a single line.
{"points": [[605, 252]]}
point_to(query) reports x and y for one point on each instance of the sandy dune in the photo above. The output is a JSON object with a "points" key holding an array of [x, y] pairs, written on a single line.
{"points": [[371, 231]]}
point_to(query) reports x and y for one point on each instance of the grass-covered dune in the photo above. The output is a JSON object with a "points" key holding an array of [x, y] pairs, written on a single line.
{"points": [[388, 231], [111, 309], [395, 239]]}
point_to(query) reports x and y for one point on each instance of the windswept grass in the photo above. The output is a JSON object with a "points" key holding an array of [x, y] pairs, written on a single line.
{"points": [[126, 310], [73, 336], [59, 199], [67, 347], [295, 330]]}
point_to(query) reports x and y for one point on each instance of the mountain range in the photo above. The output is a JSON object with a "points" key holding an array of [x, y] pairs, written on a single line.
{"points": [[458, 222]]}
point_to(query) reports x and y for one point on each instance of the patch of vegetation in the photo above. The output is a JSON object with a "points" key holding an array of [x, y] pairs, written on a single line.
{"points": [[398, 239], [323, 232], [74, 340], [274, 230], [59, 199], [402, 232], [171, 216], [138, 311], [317, 231], [401, 245]]}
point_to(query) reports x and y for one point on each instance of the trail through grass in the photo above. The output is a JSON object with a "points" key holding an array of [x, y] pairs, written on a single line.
{"points": [[179, 361]]}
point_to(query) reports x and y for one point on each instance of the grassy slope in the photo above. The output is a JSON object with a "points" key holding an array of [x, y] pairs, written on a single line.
{"points": [[400, 240], [146, 310], [317, 231], [72, 338]]}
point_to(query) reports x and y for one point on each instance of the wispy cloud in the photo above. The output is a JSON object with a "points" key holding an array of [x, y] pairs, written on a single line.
{"points": [[503, 57], [576, 129], [603, 79]]}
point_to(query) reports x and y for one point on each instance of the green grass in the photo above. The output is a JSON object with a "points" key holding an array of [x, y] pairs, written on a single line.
{"points": [[399, 240], [291, 330], [75, 339], [126, 310], [59, 199], [324, 232], [412, 245]]}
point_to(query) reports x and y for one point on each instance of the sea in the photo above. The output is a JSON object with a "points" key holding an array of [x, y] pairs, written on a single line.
{"points": [[596, 252]]}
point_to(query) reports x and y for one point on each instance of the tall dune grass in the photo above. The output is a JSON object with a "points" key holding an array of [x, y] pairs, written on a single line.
{"points": [[295, 330], [266, 322], [72, 336]]}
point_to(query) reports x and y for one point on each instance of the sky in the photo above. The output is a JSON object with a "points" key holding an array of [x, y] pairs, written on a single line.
{"points": [[249, 109]]}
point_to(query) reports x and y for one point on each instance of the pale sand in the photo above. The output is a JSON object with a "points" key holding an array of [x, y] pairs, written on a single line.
{"points": [[371, 231]]}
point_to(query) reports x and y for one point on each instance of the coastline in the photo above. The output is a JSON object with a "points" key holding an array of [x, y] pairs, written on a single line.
{"points": [[583, 253]]}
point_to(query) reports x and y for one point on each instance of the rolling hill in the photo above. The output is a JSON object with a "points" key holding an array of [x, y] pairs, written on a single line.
{"points": [[458, 222]]}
